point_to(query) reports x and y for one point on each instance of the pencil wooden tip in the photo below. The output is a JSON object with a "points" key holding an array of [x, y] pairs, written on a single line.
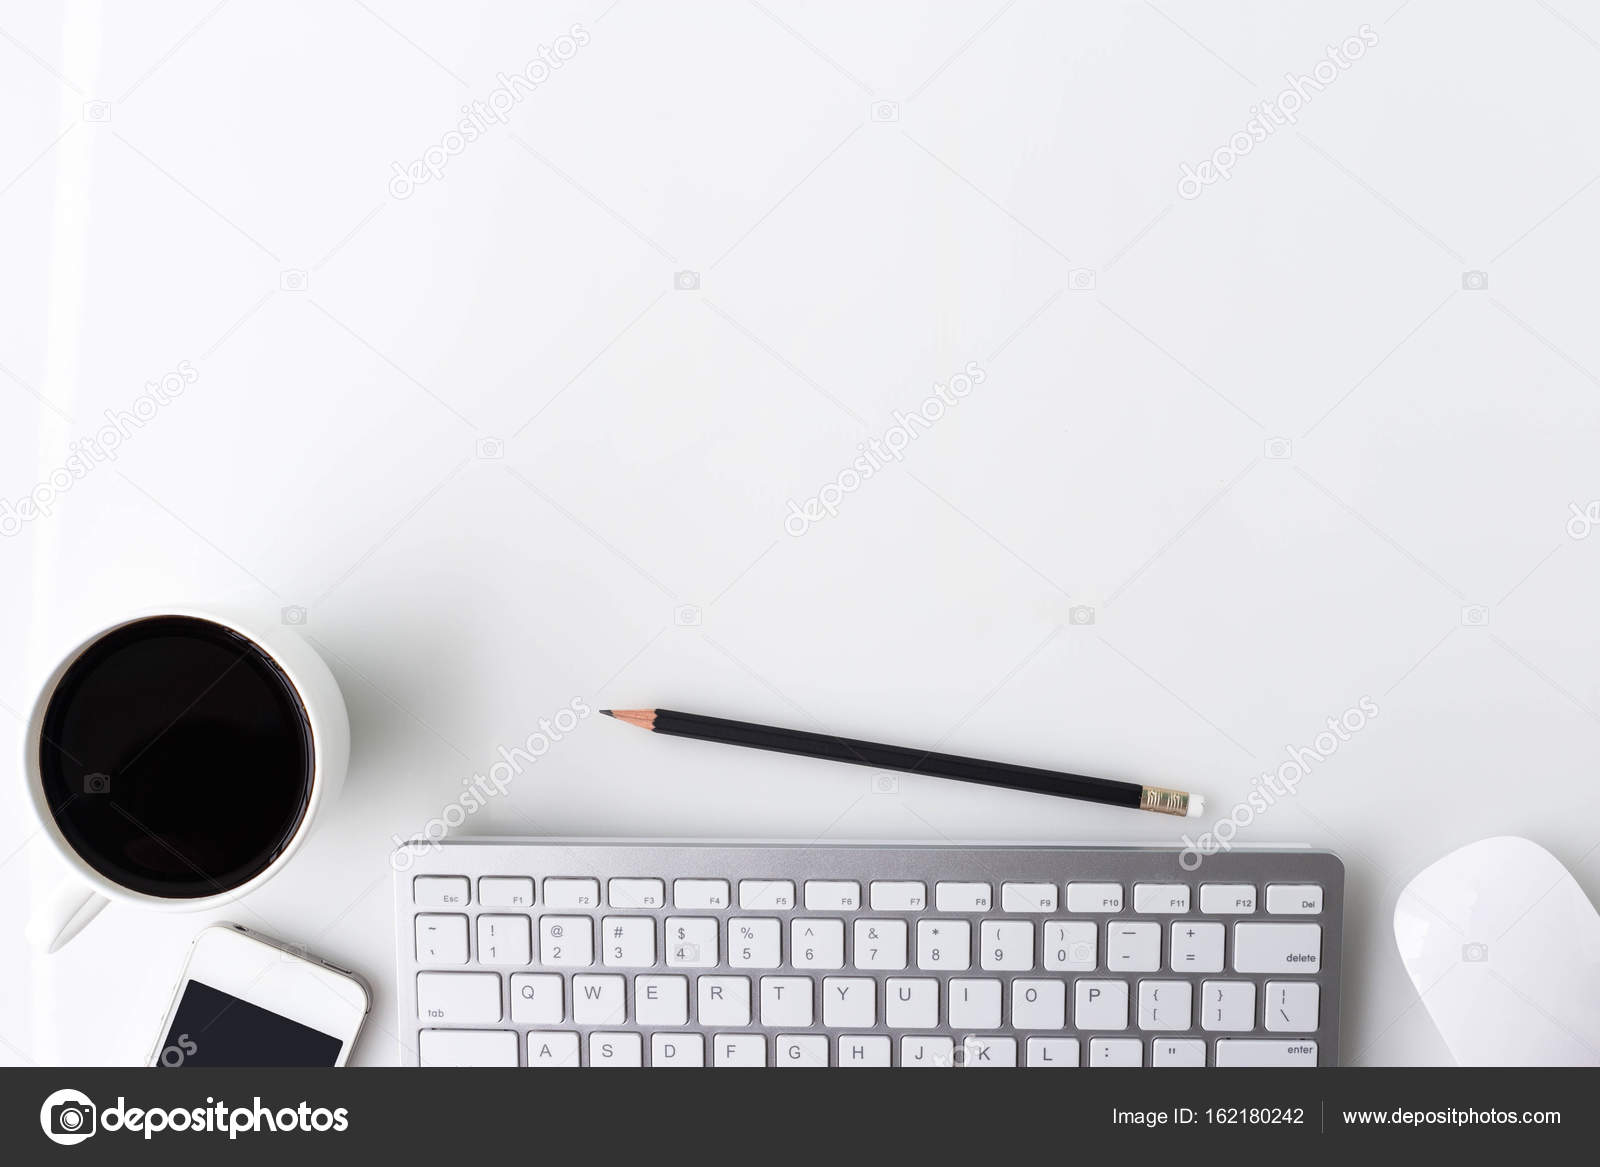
{"points": [[642, 718]]}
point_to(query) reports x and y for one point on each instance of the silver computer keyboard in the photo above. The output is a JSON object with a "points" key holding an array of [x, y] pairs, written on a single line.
{"points": [[546, 952]]}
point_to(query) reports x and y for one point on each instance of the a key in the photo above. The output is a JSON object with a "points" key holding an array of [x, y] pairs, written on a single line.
{"points": [[816, 943], [944, 945], [505, 891], [700, 893], [691, 941], [832, 895], [963, 897], [1038, 1004], [1006, 945], [880, 944], [918, 1053], [1158, 899], [1196, 946], [772, 895], [911, 1002], [467, 1047], [1100, 1005], [786, 1002], [1133, 946], [1094, 897], [566, 940], [615, 1049], [1164, 1004], [637, 893], [1116, 1051], [628, 941], [802, 1051], [536, 999], [1178, 1051], [1028, 897], [458, 998], [982, 1053], [441, 939], [571, 893], [974, 1003], [1052, 1052], [440, 891], [1069, 945], [661, 1000], [599, 999], [1294, 899], [1227, 899], [898, 896], [849, 1002], [724, 1000], [677, 1050], [1227, 1006], [504, 940], [739, 1049], [863, 1050], [1292, 1006], [755, 942], [1277, 948], [553, 1049], [1235, 1051]]}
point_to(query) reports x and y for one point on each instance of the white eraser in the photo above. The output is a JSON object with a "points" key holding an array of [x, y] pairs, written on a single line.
{"points": [[1197, 806]]}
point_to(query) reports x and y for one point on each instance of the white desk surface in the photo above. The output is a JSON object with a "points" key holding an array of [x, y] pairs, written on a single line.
{"points": [[628, 546]]}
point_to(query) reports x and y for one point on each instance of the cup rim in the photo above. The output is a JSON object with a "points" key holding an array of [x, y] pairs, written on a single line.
{"points": [[101, 884]]}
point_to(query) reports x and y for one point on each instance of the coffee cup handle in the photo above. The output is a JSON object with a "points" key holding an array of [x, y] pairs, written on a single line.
{"points": [[62, 913]]}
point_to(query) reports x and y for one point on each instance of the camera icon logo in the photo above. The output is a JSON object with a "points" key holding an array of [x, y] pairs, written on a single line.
{"points": [[885, 111], [1475, 616], [67, 1117], [97, 783], [294, 614], [97, 111], [1081, 279], [686, 616], [1475, 952], [1080, 614], [686, 281], [1474, 281], [884, 784], [490, 449], [1277, 449], [293, 280]]}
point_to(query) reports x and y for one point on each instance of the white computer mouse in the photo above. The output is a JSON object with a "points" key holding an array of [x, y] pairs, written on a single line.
{"points": [[1504, 949]]}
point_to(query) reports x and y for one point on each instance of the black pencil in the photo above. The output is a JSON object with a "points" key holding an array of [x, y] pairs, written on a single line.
{"points": [[861, 753]]}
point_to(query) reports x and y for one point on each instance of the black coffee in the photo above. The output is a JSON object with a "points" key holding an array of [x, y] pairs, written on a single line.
{"points": [[176, 757]]}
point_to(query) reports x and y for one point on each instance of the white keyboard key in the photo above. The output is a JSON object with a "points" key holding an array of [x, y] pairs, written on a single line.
{"points": [[802, 1051], [441, 939], [1028, 897], [724, 1001], [1196, 947], [927, 1053], [1070, 946], [505, 940], [899, 896], [1052, 1052], [566, 940], [686, 1050], [536, 999], [881, 944], [700, 893], [1228, 1006], [505, 891], [983, 1053], [467, 1047], [1291, 1006], [1038, 1004], [1178, 1051], [1094, 897], [755, 942], [1294, 899], [661, 1000], [963, 897], [1100, 1005], [832, 895], [553, 1050], [1164, 1004], [1227, 899], [1133, 946], [1277, 948], [850, 1003], [1116, 1051], [772, 895], [616, 1050], [863, 1050], [1234, 1051], [459, 998], [738, 1049], [944, 944], [637, 893], [974, 1003], [628, 941], [691, 942], [815, 943], [1006, 945], [786, 1003], [441, 891], [1157, 899], [599, 999], [911, 1002], [572, 893]]}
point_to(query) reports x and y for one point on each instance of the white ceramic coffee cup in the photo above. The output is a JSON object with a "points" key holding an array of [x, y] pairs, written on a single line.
{"points": [[61, 914]]}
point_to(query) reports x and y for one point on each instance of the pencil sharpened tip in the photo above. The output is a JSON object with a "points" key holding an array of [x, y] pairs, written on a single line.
{"points": [[608, 713]]}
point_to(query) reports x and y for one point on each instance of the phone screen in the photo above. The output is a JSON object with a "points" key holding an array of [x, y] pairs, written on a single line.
{"points": [[213, 1028]]}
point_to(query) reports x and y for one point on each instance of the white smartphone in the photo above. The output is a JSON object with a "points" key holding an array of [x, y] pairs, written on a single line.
{"points": [[247, 1000]]}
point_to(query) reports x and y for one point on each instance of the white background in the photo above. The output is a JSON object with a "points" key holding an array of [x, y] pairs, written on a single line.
{"points": [[1116, 455]]}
